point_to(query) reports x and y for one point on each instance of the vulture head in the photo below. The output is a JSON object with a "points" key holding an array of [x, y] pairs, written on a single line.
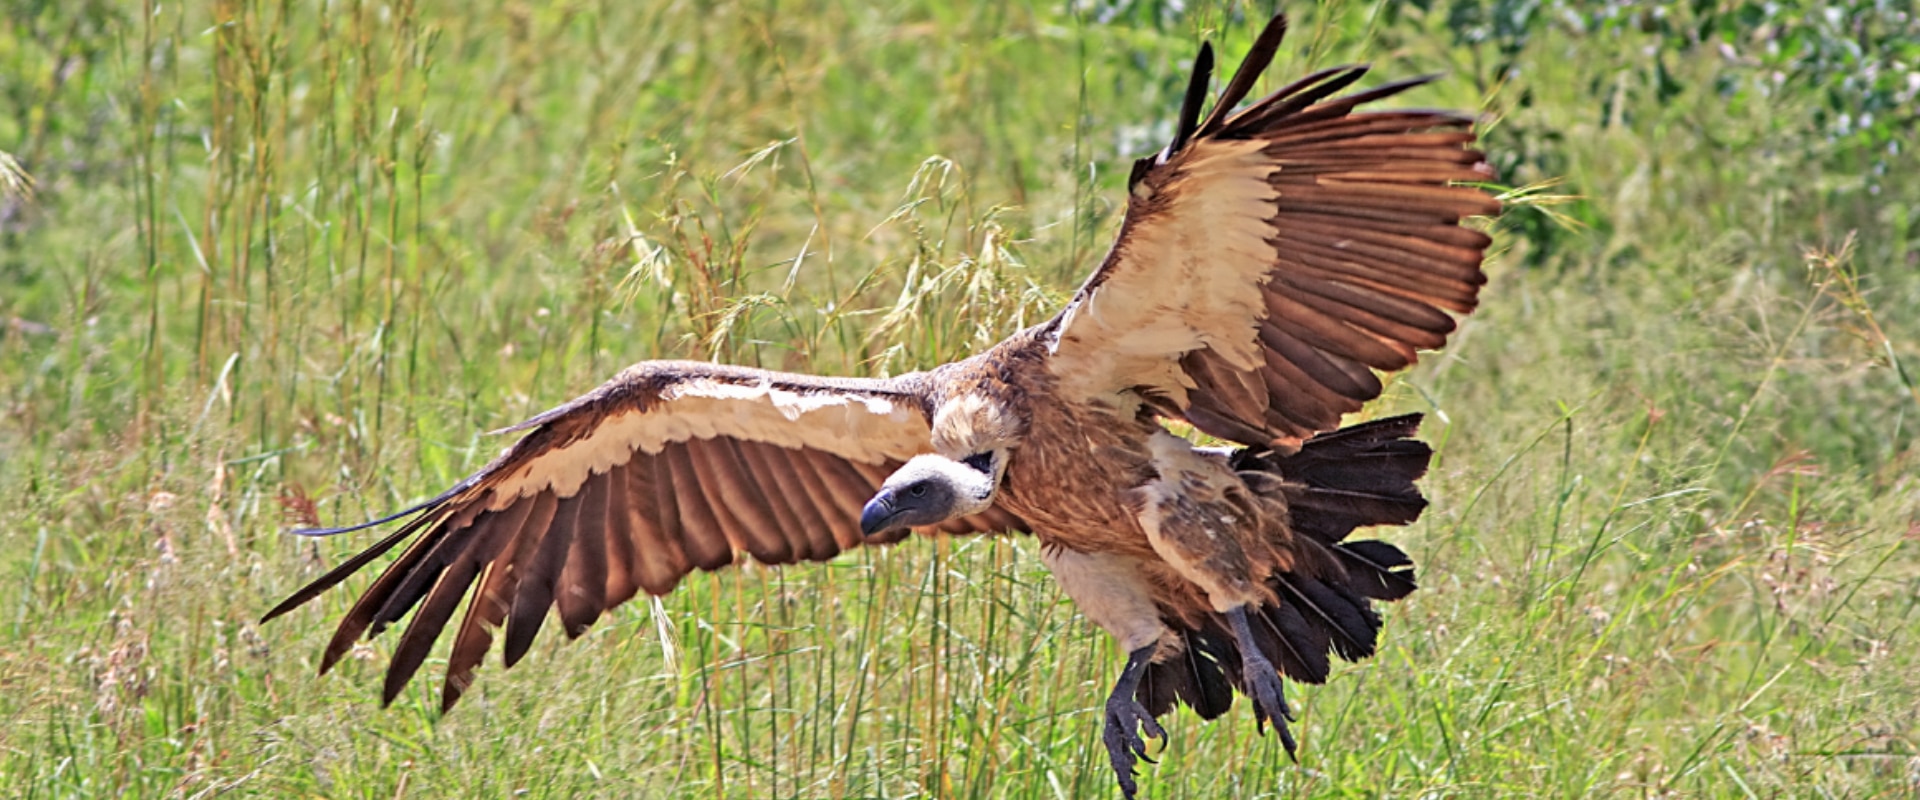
{"points": [[972, 435], [931, 489]]}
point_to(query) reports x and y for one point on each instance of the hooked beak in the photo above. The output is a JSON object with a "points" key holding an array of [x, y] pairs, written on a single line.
{"points": [[878, 514]]}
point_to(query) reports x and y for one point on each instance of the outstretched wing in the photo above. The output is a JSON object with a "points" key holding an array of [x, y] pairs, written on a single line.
{"points": [[669, 467], [1272, 258]]}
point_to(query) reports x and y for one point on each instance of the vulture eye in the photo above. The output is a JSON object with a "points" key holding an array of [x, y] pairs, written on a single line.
{"points": [[980, 462], [917, 490]]}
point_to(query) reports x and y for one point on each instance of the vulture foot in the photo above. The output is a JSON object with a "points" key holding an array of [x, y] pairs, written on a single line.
{"points": [[1262, 682], [1127, 719]]}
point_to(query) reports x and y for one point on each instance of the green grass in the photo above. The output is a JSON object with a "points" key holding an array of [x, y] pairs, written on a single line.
{"points": [[286, 260]]}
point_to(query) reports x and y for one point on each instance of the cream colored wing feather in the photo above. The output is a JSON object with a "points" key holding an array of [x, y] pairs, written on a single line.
{"points": [[1272, 258], [669, 467]]}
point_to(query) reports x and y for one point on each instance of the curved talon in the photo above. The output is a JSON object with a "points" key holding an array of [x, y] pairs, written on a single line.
{"points": [[1126, 720], [1270, 702], [1262, 684]]}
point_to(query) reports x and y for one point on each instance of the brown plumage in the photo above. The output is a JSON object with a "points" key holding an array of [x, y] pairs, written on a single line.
{"points": [[1272, 259]]}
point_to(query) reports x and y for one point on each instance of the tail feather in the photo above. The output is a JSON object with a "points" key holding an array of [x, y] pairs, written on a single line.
{"points": [[1202, 676], [1376, 569], [1356, 477], [1349, 620], [1293, 642]]}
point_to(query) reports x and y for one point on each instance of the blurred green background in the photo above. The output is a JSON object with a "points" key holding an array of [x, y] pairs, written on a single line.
{"points": [[279, 263]]}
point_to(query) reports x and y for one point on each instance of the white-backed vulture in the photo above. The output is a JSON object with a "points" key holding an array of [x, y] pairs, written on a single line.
{"points": [[1272, 259]]}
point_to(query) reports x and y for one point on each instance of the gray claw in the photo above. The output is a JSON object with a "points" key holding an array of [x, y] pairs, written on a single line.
{"points": [[1126, 720], [1262, 682], [1270, 701]]}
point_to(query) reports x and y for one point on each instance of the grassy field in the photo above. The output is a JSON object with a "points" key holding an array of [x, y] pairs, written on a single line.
{"points": [[282, 263]]}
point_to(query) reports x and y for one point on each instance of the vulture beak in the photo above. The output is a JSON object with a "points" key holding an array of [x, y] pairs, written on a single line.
{"points": [[929, 490], [878, 515], [895, 508]]}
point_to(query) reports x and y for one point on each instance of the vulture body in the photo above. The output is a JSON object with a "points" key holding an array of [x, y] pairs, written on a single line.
{"points": [[1272, 259]]}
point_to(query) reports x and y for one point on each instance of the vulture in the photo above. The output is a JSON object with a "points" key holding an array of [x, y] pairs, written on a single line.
{"points": [[1273, 261]]}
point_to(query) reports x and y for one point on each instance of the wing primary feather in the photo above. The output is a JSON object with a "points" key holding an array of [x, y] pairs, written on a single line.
{"points": [[1294, 114], [1458, 293], [1295, 201], [1376, 314], [1386, 90], [1196, 95], [424, 628], [1429, 240], [1287, 417], [1289, 384], [1225, 427], [486, 608], [362, 614], [485, 538], [1399, 202], [1285, 106], [729, 485], [1447, 235], [623, 557], [842, 524], [1298, 395], [1335, 135], [450, 540], [582, 592], [433, 503], [1255, 63], [352, 565], [1411, 272], [539, 573], [808, 500], [470, 646], [663, 544], [1344, 376], [704, 541], [779, 493], [1407, 256], [1309, 325], [501, 583], [1452, 295], [1237, 393], [358, 618], [1352, 147], [847, 491]]}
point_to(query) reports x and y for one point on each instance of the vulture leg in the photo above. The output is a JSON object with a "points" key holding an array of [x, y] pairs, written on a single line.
{"points": [[1261, 680], [1110, 589], [1126, 718]]}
